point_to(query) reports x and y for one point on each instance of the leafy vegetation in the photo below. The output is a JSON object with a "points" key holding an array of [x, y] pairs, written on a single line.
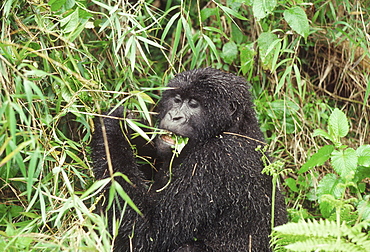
{"points": [[342, 198], [64, 61], [323, 235]]}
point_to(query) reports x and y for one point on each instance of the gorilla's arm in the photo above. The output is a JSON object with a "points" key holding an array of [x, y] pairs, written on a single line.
{"points": [[118, 154], [108, 130]]}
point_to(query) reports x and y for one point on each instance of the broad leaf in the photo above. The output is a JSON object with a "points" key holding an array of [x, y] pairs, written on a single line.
{"points": [[344, 162], [292, 184], [237, 34], [363, 153], [247, 54], [329, 185], [56, 4], [229, 52], [207, 12], [338, 124], [326, 209], [297, 20], [362, 172], [262, 8], [71, 22]]}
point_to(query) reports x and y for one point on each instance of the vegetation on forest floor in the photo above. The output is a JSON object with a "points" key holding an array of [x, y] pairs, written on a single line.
{"points": [[64, 61]]}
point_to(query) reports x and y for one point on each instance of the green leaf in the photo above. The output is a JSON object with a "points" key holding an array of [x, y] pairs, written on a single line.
{"points": [[323, 133], [247, 54], [231, 12], [236, 34], [150, 42], [367, 94], [309, 228], [69, 4], [95, 188], [344, 162], [71, 22], [15, 151], [262, 8], [125, 196], [142, 99], [216, 30], [137, 129], [364, 209], [229, 52], [329, 185], [180, 143], [176, 40], [326, 209], [292, 184], [212, 46], [130, 51], [169, 26], [297, 20], [317, 159], [269, 44], [188, 34], [56, 4], [207, 12], [246, 2], [77, 159], [338, 124], [363, 153], [362, 172], [144, 109]]}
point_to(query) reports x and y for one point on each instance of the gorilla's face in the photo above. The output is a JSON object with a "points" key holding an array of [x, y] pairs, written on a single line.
{"points": [[202, 104], [183, 117]]}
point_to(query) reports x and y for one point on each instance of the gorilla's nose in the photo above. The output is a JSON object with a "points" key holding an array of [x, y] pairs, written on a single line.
{"points": [[177, 117]]}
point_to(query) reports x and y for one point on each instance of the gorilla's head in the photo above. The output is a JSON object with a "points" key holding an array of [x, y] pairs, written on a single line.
{"points": [[204, 103]]}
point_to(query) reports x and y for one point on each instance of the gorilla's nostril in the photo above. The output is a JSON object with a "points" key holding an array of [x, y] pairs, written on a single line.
{"points": [[178, 118]]}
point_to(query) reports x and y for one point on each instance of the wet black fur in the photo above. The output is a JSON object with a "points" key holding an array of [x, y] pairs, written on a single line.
{"points": [[218, 199]]}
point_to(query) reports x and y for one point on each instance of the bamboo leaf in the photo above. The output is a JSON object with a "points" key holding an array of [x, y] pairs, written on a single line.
{"points": [[317, 159], [15, 151]]}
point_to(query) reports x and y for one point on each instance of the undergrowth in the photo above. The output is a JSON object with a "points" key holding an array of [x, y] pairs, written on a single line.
{"points": [[64, 62], [341, 196]]}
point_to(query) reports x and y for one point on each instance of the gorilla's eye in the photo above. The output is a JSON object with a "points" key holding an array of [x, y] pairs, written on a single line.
{"points": [[193, 103], [177, 99]]}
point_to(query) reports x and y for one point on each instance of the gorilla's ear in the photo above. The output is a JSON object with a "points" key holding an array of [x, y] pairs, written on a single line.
{"points": [[238, 115], [233, 108]]}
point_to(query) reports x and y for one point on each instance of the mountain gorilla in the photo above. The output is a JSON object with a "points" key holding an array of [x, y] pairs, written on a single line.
{"points": [[217, 199]]}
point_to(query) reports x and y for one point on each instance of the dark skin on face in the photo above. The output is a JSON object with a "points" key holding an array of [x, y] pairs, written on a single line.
{"points": [[181, 115], [181, 119]]}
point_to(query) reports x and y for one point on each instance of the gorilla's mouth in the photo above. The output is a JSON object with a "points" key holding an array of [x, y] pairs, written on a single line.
{"points": [[169, 138], [176, 142]]}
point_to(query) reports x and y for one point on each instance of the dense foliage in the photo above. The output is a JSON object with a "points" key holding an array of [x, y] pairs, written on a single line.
{"points": [[64, 61]]}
